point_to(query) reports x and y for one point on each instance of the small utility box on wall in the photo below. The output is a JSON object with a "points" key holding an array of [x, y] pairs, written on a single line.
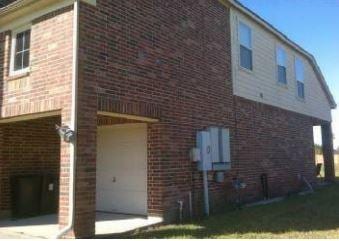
{"points": [[212, 154], [214, 148], [215, 154], [224, 151], [204, 145]]}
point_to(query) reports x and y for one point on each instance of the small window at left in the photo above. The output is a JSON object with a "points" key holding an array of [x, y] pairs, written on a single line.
{"points": [[20, 51]]}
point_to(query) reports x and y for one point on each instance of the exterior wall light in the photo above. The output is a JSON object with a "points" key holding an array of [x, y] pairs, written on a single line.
{"points": [[65, 133]]}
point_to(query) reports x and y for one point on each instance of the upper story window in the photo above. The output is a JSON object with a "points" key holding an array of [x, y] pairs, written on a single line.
{"points": [[299, 75], [281, 65], [20, 52], [245, 37]]}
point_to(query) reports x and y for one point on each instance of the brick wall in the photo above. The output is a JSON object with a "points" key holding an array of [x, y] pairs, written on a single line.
{"points": [[48, 84], [169, 59], [29, 147], [328, 153], [272, 141], [47, 87]]}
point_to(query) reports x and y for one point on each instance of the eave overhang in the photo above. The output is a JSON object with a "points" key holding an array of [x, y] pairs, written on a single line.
{"points": [[23, 9]]}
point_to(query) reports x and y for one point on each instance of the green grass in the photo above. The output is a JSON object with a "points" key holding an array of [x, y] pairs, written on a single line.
{"points": [[310, 216]]}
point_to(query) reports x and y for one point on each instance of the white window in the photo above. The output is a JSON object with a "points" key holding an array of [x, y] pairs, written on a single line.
{"points": [[281, 65], [245, 38], [299, 75], [20, 51]]}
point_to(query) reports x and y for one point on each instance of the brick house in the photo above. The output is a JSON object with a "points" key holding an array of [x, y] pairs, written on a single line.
{"points": [[136, 80]]}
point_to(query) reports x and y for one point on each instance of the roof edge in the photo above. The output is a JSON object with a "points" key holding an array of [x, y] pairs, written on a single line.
{"points": [[22, 3], [14, 6]]}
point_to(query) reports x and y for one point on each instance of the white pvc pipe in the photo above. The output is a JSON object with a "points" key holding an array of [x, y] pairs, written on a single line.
{"points": [[206, 198], [73, 124]]}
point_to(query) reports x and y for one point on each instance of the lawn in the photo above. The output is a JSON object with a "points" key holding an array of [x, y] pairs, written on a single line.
{"points": [[310, 216]]}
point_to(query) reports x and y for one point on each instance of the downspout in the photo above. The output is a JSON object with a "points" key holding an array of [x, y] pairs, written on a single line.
{"points": [[73, 124]]}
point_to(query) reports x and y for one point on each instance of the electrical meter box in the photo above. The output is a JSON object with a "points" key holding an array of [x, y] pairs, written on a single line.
{"points": [[214, 134], [204, 144], [225, 150]]}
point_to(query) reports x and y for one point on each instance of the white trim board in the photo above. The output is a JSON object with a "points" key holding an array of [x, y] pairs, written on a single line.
{"points": [[126, 116]]}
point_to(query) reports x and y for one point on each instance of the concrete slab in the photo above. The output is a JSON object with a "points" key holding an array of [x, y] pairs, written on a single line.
{"points": [[47, 226], [111, 223], [37, 227]]}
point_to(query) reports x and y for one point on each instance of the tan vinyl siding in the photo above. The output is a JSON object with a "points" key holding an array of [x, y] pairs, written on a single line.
{"points": [[262, 85]]}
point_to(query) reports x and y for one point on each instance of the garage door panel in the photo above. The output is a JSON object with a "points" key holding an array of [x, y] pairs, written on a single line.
{"points": [[122, 169], [124, 202], [121, 181], [127, 177]]}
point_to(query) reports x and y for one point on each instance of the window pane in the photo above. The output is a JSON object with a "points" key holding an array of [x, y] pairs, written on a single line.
{"points": [[245, 35], [27, 39], [245, 57], [21, 55], [301, 89], [299, 70], [282, 74], [18, 61], [281, 57], [25, 59], [19, 42]]}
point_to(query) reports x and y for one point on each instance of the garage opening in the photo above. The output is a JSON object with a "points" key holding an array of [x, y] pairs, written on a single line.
{"points": [[29, 183], [325, 156], [318, 153], [122, 178]]}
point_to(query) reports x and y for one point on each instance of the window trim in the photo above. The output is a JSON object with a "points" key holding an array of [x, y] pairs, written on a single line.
{"points": [[239, 22], [14, 33], [277, 47], [296, 79]]}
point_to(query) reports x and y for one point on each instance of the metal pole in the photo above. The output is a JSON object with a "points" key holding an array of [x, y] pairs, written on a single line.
{"points": [[206, 199]]}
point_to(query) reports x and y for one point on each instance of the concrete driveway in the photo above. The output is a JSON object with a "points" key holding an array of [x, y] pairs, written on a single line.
{"points": [[47, 226]]}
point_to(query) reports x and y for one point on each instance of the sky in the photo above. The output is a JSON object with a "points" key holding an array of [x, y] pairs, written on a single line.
{"points": [[314, 25]]}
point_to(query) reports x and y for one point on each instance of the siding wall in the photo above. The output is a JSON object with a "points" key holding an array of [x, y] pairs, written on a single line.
{"points": [[263, 79]]}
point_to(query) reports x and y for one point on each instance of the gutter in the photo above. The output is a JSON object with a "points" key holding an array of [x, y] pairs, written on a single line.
{"points": [[73, 126]]}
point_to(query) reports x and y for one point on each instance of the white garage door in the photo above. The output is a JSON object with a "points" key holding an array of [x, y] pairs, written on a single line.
{"points": [[122, 169]]}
